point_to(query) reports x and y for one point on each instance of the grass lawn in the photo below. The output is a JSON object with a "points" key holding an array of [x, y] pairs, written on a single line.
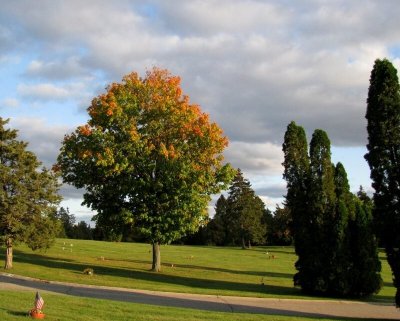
{"points": [[191, 269], [15, 305]]}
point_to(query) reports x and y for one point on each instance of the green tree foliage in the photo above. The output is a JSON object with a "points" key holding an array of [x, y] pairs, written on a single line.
{"points": [[365, 265], [67, 222], [383, 157], [28, 196], [147, 157], [365, 199], [339, 258], [280, 226], [245, 211], [313, 268], [355, 266], [239, 219], [297, 174], [82, 231], [217, 228], [69, 229], [322, 185], [332, 232]]}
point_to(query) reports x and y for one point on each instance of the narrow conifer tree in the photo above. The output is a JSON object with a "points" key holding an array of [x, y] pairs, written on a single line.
{"points": [[217, 228], [365, 267], [383, 116], [337, 238], [296, 173]]}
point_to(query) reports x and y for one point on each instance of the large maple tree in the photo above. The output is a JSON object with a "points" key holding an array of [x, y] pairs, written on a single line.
{"points": [[147, 157]]}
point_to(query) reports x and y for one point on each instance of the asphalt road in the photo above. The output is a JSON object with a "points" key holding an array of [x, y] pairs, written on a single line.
{"points": [[289, 307]]}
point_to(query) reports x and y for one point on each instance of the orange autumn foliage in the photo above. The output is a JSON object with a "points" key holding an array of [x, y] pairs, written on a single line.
{"points": [[85, 130], [150, 118]]}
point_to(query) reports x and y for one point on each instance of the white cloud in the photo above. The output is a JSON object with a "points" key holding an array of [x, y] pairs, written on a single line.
{"points": [[253, 65], [69, 68], [255, 158], [46, 91], [69, 193], [44, 139], [10, 102], [81, 212], [78, 91], [222, 16]]}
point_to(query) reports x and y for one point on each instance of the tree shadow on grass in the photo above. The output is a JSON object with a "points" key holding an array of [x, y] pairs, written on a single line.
{"points": [[156, 278], [272, 249], [277, 249], [214, 269]]}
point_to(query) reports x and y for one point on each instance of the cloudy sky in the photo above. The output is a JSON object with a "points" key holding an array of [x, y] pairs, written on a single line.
{"points": [[252, 65]]}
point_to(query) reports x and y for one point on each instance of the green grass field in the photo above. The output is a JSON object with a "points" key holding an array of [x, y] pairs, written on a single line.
{"points": [[187, 269], [15, 306]]}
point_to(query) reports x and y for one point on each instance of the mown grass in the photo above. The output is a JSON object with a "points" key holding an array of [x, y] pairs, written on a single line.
{"points": [[15, 306], [259, 272]]}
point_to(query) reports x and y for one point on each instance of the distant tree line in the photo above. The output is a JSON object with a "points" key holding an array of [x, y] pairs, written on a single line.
{"points": [[71, 229], [241, 219]]}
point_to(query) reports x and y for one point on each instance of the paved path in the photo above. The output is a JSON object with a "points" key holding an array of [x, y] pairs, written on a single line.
{"points": [[307, 308]]}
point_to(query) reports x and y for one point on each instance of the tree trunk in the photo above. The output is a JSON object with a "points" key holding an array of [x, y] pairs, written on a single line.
{"points": [[156, 266], [249, 244], [393, 258], [243, 243], [9, 254]]}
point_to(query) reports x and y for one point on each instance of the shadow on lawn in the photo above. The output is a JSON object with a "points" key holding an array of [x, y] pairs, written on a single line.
{"points": [[257, 273], [215, 269], [270, 249], [156, 278]]}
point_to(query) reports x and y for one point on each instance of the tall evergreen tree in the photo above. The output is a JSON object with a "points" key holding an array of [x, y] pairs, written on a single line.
{"points": [[383, 116], [313, 269], [333, 237], [355, 266], [365, 267], [296, 173], [322, 184], [217, 227], [339, 257], [28, 196], [245, 211], [252, 227]]}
